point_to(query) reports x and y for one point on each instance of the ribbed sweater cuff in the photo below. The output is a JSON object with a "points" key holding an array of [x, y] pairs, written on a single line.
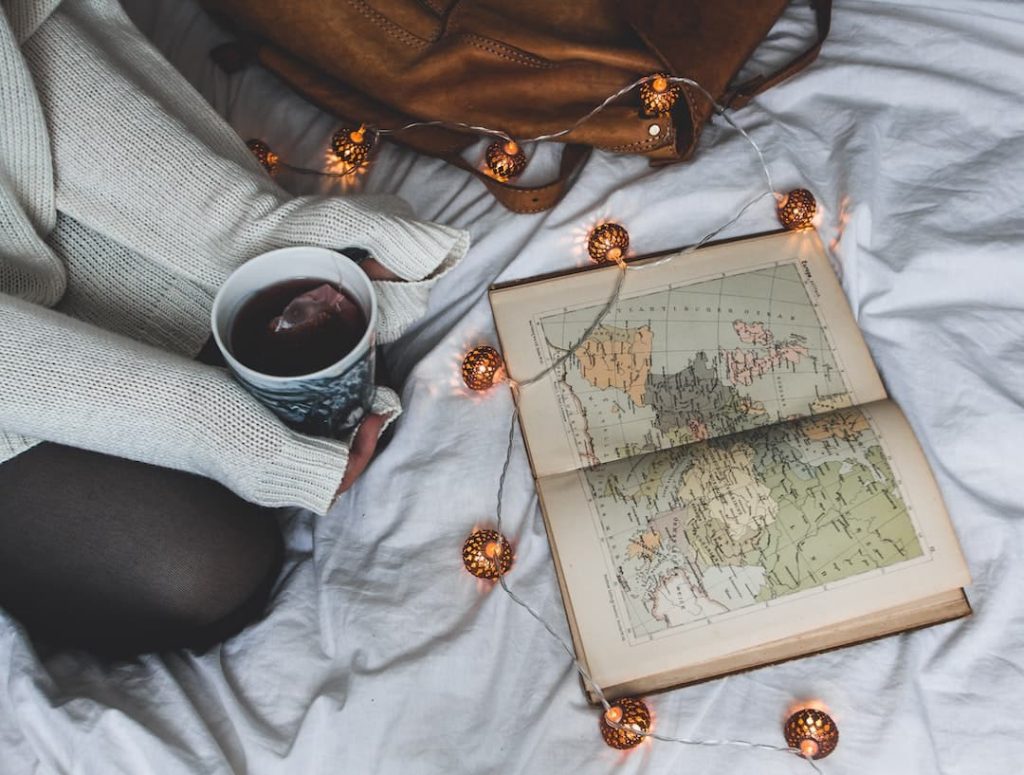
{"points": [[414, 250], [305, 472]]}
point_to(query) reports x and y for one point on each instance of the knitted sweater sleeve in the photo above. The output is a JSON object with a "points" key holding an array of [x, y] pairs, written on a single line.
{"points": [[143, 159], [80, 385]]}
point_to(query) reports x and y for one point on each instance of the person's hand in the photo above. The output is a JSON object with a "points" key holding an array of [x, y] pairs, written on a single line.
{"points": [[377, 271], [365, 442], [363, 446]]}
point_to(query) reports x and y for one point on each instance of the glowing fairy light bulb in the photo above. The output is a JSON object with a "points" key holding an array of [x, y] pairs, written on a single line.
{"points": [[487, 554], [608, 242], [632, 720], [353, 146], [813, 732], [264, 155], [658, 95], [482, 367], [505, 160], [797, 208]]}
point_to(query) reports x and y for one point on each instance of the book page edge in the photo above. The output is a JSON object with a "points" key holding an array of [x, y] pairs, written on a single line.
{"points": [[940, 609]]}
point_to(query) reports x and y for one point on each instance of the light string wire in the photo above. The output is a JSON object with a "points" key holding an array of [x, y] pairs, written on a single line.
{"points": [[580, 669], [623, 267], [352, 169], [516, 386], [719, 110]]}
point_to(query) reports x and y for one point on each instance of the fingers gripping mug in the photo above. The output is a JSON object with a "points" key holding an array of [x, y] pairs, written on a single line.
{"points": [[313, 366]]}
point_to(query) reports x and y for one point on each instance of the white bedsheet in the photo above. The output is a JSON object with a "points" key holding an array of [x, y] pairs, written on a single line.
{"points": [[381, 655]]}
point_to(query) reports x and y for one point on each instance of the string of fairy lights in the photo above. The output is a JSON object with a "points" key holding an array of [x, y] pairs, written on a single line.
{"points": [[809, 732]]}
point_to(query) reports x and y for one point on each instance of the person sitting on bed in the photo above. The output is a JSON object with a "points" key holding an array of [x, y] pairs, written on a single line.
{"points": [[136, 496]]}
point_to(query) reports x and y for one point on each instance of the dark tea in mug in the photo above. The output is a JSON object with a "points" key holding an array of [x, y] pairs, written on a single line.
{"points": [[302, 344], [295, 327]]}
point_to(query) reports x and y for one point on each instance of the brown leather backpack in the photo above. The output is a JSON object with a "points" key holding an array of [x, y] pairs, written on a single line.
{"points": [[529, 67]]}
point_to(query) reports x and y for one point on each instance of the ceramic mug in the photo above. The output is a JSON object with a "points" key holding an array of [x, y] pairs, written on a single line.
{"points": [[332, 401]]}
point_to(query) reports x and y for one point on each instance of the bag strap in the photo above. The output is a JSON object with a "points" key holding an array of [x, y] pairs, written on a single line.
{"points": [[743, 93], [529, 199]]}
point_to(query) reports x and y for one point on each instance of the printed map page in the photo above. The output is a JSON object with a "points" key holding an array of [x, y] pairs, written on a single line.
{"points": [[685, 363], [698, 532]]}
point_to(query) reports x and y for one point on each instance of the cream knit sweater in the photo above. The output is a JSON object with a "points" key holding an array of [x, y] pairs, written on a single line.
{"points": [[125, 201]]}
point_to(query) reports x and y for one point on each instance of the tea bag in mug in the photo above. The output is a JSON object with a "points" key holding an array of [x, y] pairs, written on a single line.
{"points": [[323, 306]]}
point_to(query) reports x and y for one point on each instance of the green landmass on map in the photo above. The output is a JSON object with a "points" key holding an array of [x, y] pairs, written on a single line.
{"points": [[767, 513], [832, 520]]}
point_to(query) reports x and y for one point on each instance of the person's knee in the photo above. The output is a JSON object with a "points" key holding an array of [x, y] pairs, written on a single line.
{"points": [[121, 558], [225, 587]]}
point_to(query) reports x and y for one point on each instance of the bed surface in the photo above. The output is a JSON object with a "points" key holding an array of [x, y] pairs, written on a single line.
{"points": [[381, 655]]}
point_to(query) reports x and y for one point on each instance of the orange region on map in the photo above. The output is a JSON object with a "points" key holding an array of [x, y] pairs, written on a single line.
{"points": [[644, 545], [618, 357]]}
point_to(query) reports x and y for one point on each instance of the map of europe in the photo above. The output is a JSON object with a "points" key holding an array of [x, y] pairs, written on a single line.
{"points": [[721, 458], [691, 362]]}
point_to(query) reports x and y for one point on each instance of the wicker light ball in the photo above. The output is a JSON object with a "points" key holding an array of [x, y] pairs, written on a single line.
{"points": [[506, 160], [628, 712], [482, 367], [797, 209], [813, 732], [263, 154], [487, 554], [608, 242], [657, 95], [353, 146]]}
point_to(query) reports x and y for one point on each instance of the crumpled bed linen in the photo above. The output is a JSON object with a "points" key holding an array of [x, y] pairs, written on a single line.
{"points": [[381, 655]]}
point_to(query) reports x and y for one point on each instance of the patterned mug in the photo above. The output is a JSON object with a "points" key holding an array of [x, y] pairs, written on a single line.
{"points": [[329, 402]]}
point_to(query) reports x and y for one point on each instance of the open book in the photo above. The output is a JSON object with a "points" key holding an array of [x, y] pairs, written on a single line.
{"points": [[723, 479]]}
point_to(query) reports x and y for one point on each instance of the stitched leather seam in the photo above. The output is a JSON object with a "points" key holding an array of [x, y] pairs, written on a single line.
{"points": [[651, 142], [529, 210], [505, 52], [696, 127], [514, 197], [690, 100], [434, 5], [387, 25]]}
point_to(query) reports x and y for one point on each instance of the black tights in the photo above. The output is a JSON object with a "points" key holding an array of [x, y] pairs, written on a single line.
{"points": [[121, 558]]}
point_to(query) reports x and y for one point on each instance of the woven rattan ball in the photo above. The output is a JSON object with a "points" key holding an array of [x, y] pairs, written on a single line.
{"points": [[482, 367], [627, 712], [486, 554], [657, 95], [608, 242], [353, 146], [797, 209], [263, 154], [813, 732], [506, 160]]}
